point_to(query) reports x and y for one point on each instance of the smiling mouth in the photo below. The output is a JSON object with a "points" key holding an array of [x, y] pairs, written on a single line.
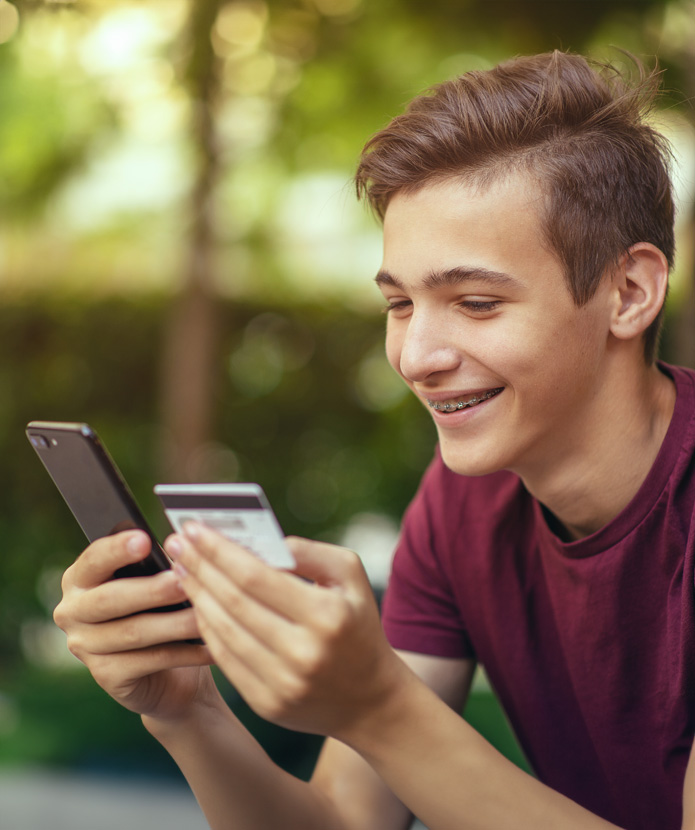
{"points": [[455, 406]]}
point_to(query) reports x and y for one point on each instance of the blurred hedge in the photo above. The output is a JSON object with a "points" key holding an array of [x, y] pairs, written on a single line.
{"points": [[305, 405]]}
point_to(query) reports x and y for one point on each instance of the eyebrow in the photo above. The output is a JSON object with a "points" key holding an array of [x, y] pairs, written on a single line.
{"points": [[452, 277]]}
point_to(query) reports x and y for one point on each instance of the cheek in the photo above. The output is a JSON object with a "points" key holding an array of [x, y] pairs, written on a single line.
{"points": [[558, 363], [530, 356], [508, 353], [581, 342]]}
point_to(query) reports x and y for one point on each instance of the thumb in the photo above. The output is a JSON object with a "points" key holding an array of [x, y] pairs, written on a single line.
{"points": [[327, 565]]}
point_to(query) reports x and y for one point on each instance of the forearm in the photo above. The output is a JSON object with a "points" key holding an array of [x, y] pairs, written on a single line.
{"points": [[449, 776], [234, 781], [689, 794]]}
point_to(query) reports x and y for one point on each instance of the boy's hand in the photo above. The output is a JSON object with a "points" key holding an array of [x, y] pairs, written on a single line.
{"points": [[138, 658], [308, 655]]}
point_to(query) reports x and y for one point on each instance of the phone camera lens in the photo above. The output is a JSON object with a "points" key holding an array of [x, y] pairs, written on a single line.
{"points": [[40, 442]]}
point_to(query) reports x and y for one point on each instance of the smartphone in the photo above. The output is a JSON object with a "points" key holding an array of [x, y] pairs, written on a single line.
{"points": [[94, 490]]}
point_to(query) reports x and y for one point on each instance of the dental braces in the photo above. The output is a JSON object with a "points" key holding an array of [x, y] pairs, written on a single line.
{"points": [[451, 407]]}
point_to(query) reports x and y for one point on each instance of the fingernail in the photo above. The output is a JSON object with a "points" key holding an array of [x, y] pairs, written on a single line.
{"points": [[174, 548], [193, 530], [134, 544]]}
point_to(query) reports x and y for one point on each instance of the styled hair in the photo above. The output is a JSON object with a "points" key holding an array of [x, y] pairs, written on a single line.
{"points": [[578, 129]]}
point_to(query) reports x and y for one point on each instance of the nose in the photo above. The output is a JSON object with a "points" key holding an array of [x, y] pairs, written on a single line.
{"points": [[426, 349]]}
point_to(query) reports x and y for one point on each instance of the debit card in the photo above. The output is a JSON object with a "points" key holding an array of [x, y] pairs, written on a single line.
{"points": [[240, 512]]}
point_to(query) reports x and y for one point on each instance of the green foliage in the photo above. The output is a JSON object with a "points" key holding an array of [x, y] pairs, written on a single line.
{"points": [[62, 719], [486, 716], [75, 725], [304, 404], [50, 127], [298, 397], [291, 400]]}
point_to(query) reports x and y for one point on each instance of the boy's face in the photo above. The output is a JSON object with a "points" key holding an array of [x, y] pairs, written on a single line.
{"points": [[482, 328]]}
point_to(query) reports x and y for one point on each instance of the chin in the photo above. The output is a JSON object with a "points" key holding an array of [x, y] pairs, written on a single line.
{"points": [[466, 463]]}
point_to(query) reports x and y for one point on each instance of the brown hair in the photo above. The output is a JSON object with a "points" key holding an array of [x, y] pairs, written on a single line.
{"points": [[580, 131]]}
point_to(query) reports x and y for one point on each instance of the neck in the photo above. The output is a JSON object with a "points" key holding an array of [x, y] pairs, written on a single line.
{"points": [[610, 453]]}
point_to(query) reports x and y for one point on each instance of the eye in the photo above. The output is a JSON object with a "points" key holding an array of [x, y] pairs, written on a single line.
{"points": [[480, 306], [397, 305]]}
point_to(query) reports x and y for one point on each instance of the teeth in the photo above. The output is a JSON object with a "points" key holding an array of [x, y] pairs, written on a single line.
{"points": [[448, 406]]}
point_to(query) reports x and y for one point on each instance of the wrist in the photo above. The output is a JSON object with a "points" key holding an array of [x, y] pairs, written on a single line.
{"points": [[388, 712], [193, 718]]}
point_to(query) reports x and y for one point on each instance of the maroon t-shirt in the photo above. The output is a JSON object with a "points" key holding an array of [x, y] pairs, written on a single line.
{"points": [[590, 645]]}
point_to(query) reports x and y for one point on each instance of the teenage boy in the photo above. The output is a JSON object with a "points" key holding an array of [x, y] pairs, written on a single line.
{"points": [[528, 234]]}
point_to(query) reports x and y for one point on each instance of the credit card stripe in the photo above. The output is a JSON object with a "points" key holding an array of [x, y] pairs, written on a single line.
{"points": [[210, 501]]}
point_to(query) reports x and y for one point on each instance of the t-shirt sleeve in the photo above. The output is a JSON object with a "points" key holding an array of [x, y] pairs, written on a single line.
{"points": [[419, 610]]}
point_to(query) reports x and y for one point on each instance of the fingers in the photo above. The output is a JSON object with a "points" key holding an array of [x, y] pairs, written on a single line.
{"points": [[228, 570], [103, 557], [123, 597], [122, 668], [253, 608], [91, 596], [327, 565], [249, 604], [140, 656], [141, 631], [226, 594], [264, 654], [302, 653], [158, 681], [230, 631], [102, 615]]}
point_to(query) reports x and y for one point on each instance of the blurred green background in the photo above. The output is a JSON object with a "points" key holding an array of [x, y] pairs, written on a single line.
{"points": [[183, 265]]}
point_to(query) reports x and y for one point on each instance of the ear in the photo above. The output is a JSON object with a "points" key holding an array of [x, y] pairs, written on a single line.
{"points": [[639, 288]]}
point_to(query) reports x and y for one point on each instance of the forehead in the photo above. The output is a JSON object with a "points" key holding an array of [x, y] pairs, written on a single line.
{"points": [[453, 224]]}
